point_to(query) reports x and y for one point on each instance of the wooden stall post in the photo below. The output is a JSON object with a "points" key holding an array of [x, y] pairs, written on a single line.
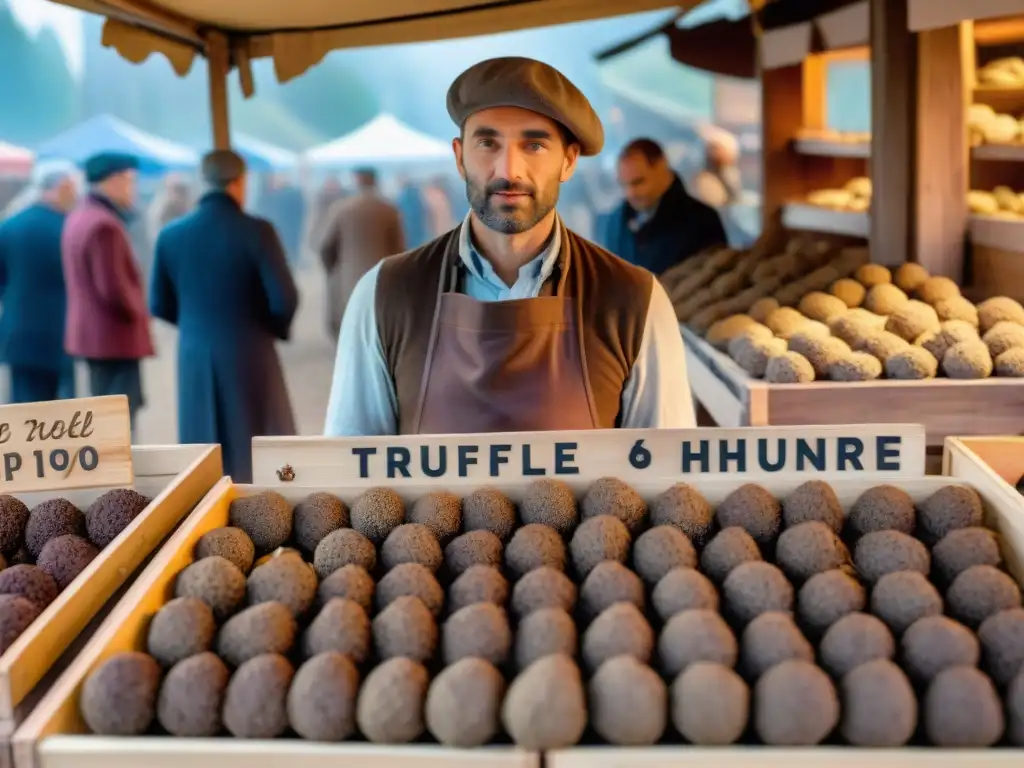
{"points": [[218, 58]]}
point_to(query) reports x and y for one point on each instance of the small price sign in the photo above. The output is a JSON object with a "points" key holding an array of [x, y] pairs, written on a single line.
{"points": [[82, 443]]}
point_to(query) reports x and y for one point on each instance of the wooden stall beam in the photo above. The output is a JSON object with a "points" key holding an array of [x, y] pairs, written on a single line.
{"points": [[218, 56]]}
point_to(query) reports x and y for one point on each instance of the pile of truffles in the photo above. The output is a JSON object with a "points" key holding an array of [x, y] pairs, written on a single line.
{"points": [[1001, 203], [1006, 72], [43, 549], [853, 197], [604, 619], [901, 324], [986, 126]]}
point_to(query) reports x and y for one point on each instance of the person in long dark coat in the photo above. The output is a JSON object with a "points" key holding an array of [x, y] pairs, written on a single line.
{"points": [[221, 276], [32, 290]]}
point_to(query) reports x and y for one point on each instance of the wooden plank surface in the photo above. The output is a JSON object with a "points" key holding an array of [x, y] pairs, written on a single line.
{"points": [[765, 757], [814, 218], [935, 14]]}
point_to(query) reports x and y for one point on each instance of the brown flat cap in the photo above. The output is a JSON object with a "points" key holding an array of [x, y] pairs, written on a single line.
{"points": [[515, 81]]}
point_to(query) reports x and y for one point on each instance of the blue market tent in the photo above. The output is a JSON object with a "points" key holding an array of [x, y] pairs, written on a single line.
{"points": [[106, 133], [262, 157]]}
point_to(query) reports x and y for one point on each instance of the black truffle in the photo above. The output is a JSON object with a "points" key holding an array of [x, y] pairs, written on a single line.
{"points": [[543, 588], [608, 583], [479, 630], [351, 582], [191, 696], [628, 703], [111, 513], [960, 549], [265, 517], [770, 639], [183, 627], [853, 640], [286, 579], [341, 626], [322, 699], [754, 588], [882, 508], [30, 582], [534, 546], [949, 508], [882, 552], [660, 550], [16, 613], [376, 513], [477, 584], [974, 595], [729, 548], [754, 509], [827, 597], [620, 629], [597, 539], [552, 503], [13, 518], [414, 580], [683, 589], [441, 512], [65, 557], [411, 543], [544, 632], [463, 706], [879, 705], [710, 704], [611, 496], [50, 519], [216, 581], [901, 598], [813, 501], [473, 548], [119, 696], [256, 700], [697, 635], [795, 705], [1015, 711], [264, 628], [935, 643], [230, 543], [389, 709], [488, 509], [683, 507], [961, 708], [1002, 640], [546, 705], [809, 548], [405, 628], [315, 516], [345, 546]]}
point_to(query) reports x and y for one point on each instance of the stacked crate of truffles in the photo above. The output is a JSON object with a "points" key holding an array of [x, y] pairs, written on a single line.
{"points": [[868, 326], [44, 549], [853, 197], [608, 619]]}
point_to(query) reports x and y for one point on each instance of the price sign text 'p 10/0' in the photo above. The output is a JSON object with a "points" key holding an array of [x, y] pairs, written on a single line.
{"points": [[65, 444]]}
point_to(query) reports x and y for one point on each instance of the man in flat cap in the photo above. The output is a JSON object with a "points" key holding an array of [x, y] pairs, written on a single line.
{"points": [[107, 321], [510, 322], [222, 277]]}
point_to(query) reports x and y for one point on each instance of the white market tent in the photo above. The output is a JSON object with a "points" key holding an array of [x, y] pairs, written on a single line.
{"points": [[15, 161], [262, 155], [384, 139]]}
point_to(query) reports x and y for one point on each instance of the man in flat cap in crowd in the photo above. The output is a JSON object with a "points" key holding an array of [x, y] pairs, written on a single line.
{"points": [[222, 277], [107, 322], [510, 321]]}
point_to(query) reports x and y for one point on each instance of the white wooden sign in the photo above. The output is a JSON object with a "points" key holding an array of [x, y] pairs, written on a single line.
{"points": [[894, 450]]}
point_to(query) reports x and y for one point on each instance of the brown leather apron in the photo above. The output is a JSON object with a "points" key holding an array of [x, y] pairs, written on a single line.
{"points": [[504, 366]]}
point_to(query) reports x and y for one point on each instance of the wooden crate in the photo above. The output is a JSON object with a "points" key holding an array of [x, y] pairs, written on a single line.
{"points": [[54, 736], [993, 463], [176, 477]]}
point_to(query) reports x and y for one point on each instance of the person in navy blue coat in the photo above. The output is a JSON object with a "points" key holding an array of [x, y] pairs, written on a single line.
{"points": [[32, 290], [222, 277]]}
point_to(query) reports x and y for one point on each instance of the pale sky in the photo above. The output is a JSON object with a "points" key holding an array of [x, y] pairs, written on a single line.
{"points": [[66, 22]]}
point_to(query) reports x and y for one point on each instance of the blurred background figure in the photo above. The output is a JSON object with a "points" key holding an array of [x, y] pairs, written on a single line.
{"points": [[718, 184], [658, 224], [362, 230], [324, 199], [441, 212], [283, 205], [172, 200], [32, 287], [107, 322], [413, 210], [231, 385]]}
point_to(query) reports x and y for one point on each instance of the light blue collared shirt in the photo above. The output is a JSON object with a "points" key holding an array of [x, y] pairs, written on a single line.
{"points": [[363, 399]]}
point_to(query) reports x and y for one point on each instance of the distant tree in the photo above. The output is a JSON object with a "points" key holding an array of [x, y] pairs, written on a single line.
{"points": [[332, 98], [17, 55], [56, 101]]}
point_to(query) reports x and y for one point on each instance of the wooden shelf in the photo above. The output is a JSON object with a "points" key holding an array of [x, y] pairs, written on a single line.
{"points": [[826, 148], [1003, 234], [936, 14], [1005, 31], [814, 218], [1010, 153]]}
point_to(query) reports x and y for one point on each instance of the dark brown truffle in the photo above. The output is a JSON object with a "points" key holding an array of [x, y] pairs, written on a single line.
{"points": [[477, 584], [935, 643], [628, 703], [596, 539], [351, 582], [414, 580], [473, 548], [660, 550], [411, 543], [389, 709], [949, 508], [710, 704], [16, 613], [754, 509], [809, 548], [191, 696], [729, 548], [216, 581], [488, 509], [65, 557], [441, 512], [480, 630], [961, 708], [405, 628], [683, 589], [50, 519], [183, 627], [111, 513], [266, 517], [535, 546], [256, 700], [286, 579], [543, 588], [30, 582], [882, 508], [552, 503], [881, 552], [341, 626], [322, 698], [960, 549], [1002, 639], [230, 543], [795, 705], [264, 628], [13, 518], [620, 629], [608, 583], [345, 546], [544, 632], [977, 593], [827, 597], [853, 640], [119, 696], [754, 588], [770, 639], [546, 706], [901, 598], [611, 496], [315, 516], [683, 507], [813, 501], [463, 707], [376, 513], [697, 635], [879, 706]]}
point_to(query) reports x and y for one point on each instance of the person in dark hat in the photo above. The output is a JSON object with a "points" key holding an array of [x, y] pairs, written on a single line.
{"points": [[511, 321], [107, 322], [221, 276]]}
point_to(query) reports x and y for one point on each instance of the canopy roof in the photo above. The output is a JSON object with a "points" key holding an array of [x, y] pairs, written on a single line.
{"points": [[384, 139], [16, 161], [106, 133], [299, 33]]}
